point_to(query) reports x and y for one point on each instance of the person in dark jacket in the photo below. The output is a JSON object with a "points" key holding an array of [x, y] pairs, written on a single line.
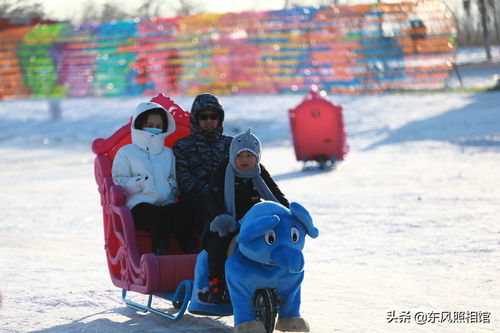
{"points": [[199, 154], [237, 185]]}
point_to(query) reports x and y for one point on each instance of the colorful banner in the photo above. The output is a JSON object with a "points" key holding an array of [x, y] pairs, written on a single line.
{"points": [[340, 49]]}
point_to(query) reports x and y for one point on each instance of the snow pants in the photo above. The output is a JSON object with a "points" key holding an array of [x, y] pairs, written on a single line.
{"points": [[162, 221], [197, 208], [217, 247]]}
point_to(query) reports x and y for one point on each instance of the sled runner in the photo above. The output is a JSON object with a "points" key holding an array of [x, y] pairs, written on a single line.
{"points": [[318, 131], [176, 277]]}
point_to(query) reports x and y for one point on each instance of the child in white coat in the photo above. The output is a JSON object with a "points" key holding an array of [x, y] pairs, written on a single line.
{"points": [[146, 171]]}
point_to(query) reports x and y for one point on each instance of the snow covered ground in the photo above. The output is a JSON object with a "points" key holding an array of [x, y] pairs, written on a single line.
{"points": [[473, 68], [410, 221]]}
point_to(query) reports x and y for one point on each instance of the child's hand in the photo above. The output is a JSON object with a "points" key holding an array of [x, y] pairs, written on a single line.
{"points": [[223, 224]]}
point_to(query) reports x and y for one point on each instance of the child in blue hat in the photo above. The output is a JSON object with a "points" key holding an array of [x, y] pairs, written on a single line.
{"points": [[235, 187]]}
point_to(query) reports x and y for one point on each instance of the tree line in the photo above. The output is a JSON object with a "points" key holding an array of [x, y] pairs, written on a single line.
{"points": [[91, 12]]}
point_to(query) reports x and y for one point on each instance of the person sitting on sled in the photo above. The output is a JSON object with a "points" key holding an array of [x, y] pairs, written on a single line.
{"points": [[199, 154], [146, 171], [235, 187]]}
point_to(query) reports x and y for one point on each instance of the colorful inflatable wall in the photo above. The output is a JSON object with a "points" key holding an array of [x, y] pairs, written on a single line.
{"points": [[344, 49]]}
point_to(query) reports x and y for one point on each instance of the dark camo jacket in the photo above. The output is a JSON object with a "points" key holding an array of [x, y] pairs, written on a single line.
{"points": [[199, 154]]}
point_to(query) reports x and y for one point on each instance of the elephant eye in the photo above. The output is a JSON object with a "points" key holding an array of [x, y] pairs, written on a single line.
{"points": [[295, 235], [270, 237]]}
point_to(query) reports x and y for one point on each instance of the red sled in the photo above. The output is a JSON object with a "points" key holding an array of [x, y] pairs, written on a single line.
{"points": [[318, 131], [132, 265]]}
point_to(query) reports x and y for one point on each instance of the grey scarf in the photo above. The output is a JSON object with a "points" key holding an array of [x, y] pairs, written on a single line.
{"points": [[231, 173]]}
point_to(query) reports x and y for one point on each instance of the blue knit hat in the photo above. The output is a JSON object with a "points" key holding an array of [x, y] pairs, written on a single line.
{"points": [[245, 141]]}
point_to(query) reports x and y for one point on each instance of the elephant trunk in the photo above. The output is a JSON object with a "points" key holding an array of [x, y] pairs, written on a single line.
{"points": [[289, 258]]}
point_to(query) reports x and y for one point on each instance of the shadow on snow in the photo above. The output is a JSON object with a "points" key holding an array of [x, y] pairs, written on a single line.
{"points": [[127, 320], [469, 126]]}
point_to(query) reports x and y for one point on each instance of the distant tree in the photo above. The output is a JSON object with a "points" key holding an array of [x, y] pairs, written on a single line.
{"points": [[485, 18], [160, 8], [301, 3], [487, 15], [149, 9], [187, 7], [113, 12], [107, 12], [90, 13], [21, 10]]}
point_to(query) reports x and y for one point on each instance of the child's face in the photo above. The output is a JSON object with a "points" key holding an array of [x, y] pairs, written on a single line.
{"points": [[154, 121], [245, 160]]}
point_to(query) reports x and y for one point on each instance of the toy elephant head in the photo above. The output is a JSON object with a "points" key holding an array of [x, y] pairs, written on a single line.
{"points": [[272, 234]]}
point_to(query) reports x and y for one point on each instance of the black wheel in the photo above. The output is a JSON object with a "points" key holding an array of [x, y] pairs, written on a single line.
{"points": [[266, 307], [322, 162], [177, 304]]}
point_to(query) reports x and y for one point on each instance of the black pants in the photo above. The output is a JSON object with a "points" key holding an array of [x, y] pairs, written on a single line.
{"points": [[162, 221], [197, 208], [216, 247]]}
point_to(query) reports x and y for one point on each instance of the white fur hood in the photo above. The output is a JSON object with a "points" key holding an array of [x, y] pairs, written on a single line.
{"points": [[151, 143]]}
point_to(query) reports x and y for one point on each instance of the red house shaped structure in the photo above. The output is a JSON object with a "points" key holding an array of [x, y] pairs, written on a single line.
{"points": [[318, 131]]}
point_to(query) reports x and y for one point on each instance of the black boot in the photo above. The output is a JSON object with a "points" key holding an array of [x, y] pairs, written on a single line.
{"points": [[217, 292]]}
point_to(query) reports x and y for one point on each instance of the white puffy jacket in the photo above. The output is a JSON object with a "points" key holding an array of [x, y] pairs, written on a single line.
{"points": [[146, 167]]}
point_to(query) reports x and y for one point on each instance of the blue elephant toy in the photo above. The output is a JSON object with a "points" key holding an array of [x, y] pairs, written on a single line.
{"points": [[269, 255]]}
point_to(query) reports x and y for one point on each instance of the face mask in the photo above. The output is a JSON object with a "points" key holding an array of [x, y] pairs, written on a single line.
{"points": [[154, 131]]}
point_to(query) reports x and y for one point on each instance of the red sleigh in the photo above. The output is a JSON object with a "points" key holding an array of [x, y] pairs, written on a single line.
{"points": [[132, 265]]}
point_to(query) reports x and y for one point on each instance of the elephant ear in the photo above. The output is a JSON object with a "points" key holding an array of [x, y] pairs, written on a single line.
{"points": [[301, 214], [256, 227]]}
